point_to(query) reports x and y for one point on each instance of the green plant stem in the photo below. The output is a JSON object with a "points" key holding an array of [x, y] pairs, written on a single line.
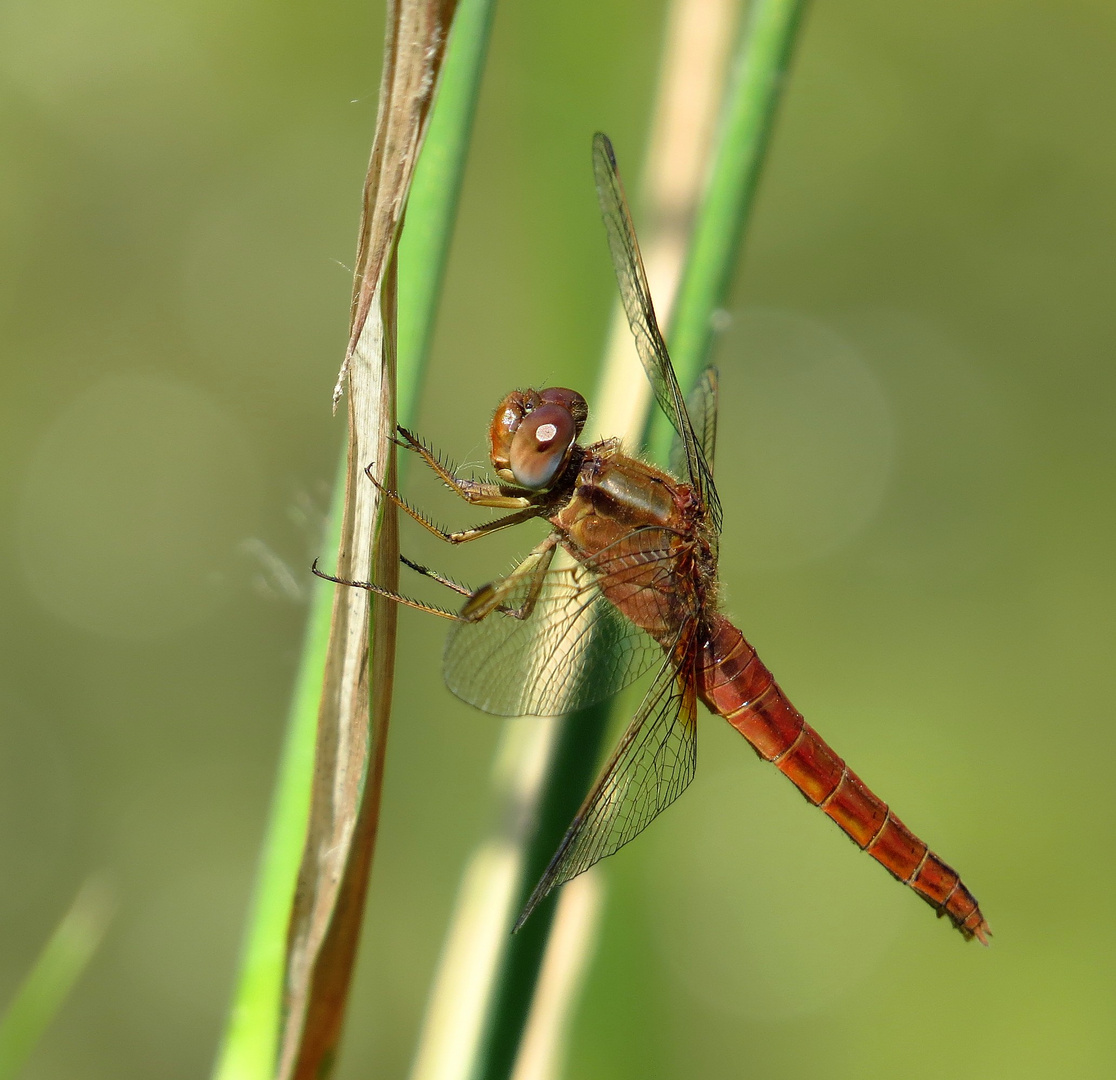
{"points": [[249, 1044], [432, 206], [248, 1049], [572, 767], [47, 985], [747, 120]]}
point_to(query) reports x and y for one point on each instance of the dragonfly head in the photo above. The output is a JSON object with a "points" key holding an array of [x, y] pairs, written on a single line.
{"points": [[533, 434]]}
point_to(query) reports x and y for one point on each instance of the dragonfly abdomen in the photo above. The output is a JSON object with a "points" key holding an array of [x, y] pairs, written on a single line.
{"points": [[734, 683]]}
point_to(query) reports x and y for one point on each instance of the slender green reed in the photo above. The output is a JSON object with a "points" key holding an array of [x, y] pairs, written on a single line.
{"points": [[747, 120], [432, 207], [55, 971]]}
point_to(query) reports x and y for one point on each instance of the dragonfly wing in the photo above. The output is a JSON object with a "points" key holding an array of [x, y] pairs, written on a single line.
{"points": [[651, 767], [555, 643], [636, 297], [701, 406]]}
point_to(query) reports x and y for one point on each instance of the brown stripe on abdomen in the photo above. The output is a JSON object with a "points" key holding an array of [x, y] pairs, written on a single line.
{"points": [[735, 684]]}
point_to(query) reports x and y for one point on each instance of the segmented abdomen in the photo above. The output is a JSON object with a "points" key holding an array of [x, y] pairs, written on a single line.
{"points": [[734, 683]]}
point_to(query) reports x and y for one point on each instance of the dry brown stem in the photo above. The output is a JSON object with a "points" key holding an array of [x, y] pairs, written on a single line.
{"points": [[356, 690]]}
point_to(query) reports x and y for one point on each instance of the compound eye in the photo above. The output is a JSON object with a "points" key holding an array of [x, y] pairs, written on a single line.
{"points": [[541, 446]]}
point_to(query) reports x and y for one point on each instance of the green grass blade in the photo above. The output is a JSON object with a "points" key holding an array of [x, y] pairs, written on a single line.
{"points": [[56, 970], [573, 766], [432, 207], [745, 129], [248, 1048]]}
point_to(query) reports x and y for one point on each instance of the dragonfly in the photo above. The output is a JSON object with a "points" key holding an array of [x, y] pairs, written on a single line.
{"points": [[625, 583]]}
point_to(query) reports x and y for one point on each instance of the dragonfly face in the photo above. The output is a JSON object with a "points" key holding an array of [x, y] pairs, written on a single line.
{"points": [[548, 639], [533, 435]]}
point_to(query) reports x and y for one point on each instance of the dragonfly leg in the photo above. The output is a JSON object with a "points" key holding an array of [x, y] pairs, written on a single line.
{"points": [[494, 596], [459, 536], [472, 491], [372, 587], [442, 579]]}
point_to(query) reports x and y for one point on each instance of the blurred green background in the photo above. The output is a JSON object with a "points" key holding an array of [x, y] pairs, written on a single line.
{"points": [[916, 462]]}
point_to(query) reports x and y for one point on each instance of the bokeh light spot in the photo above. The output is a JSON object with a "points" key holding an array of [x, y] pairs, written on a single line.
{"points": [[132, 501]]}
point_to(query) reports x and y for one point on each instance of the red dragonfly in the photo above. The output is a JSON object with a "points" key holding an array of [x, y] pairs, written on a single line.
{"points": [[640, 593]]}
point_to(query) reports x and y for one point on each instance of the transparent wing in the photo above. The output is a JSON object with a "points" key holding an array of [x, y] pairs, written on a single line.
{"points": [[701, 406], [553, 642], [651, 767], [636, 297]]}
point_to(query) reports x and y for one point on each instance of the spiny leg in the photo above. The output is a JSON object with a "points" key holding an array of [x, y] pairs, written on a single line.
{"points": [[491, 597], [488, 598], [480, 603], [461, 536], [372, 587], [442, 579], [472, 491]]}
